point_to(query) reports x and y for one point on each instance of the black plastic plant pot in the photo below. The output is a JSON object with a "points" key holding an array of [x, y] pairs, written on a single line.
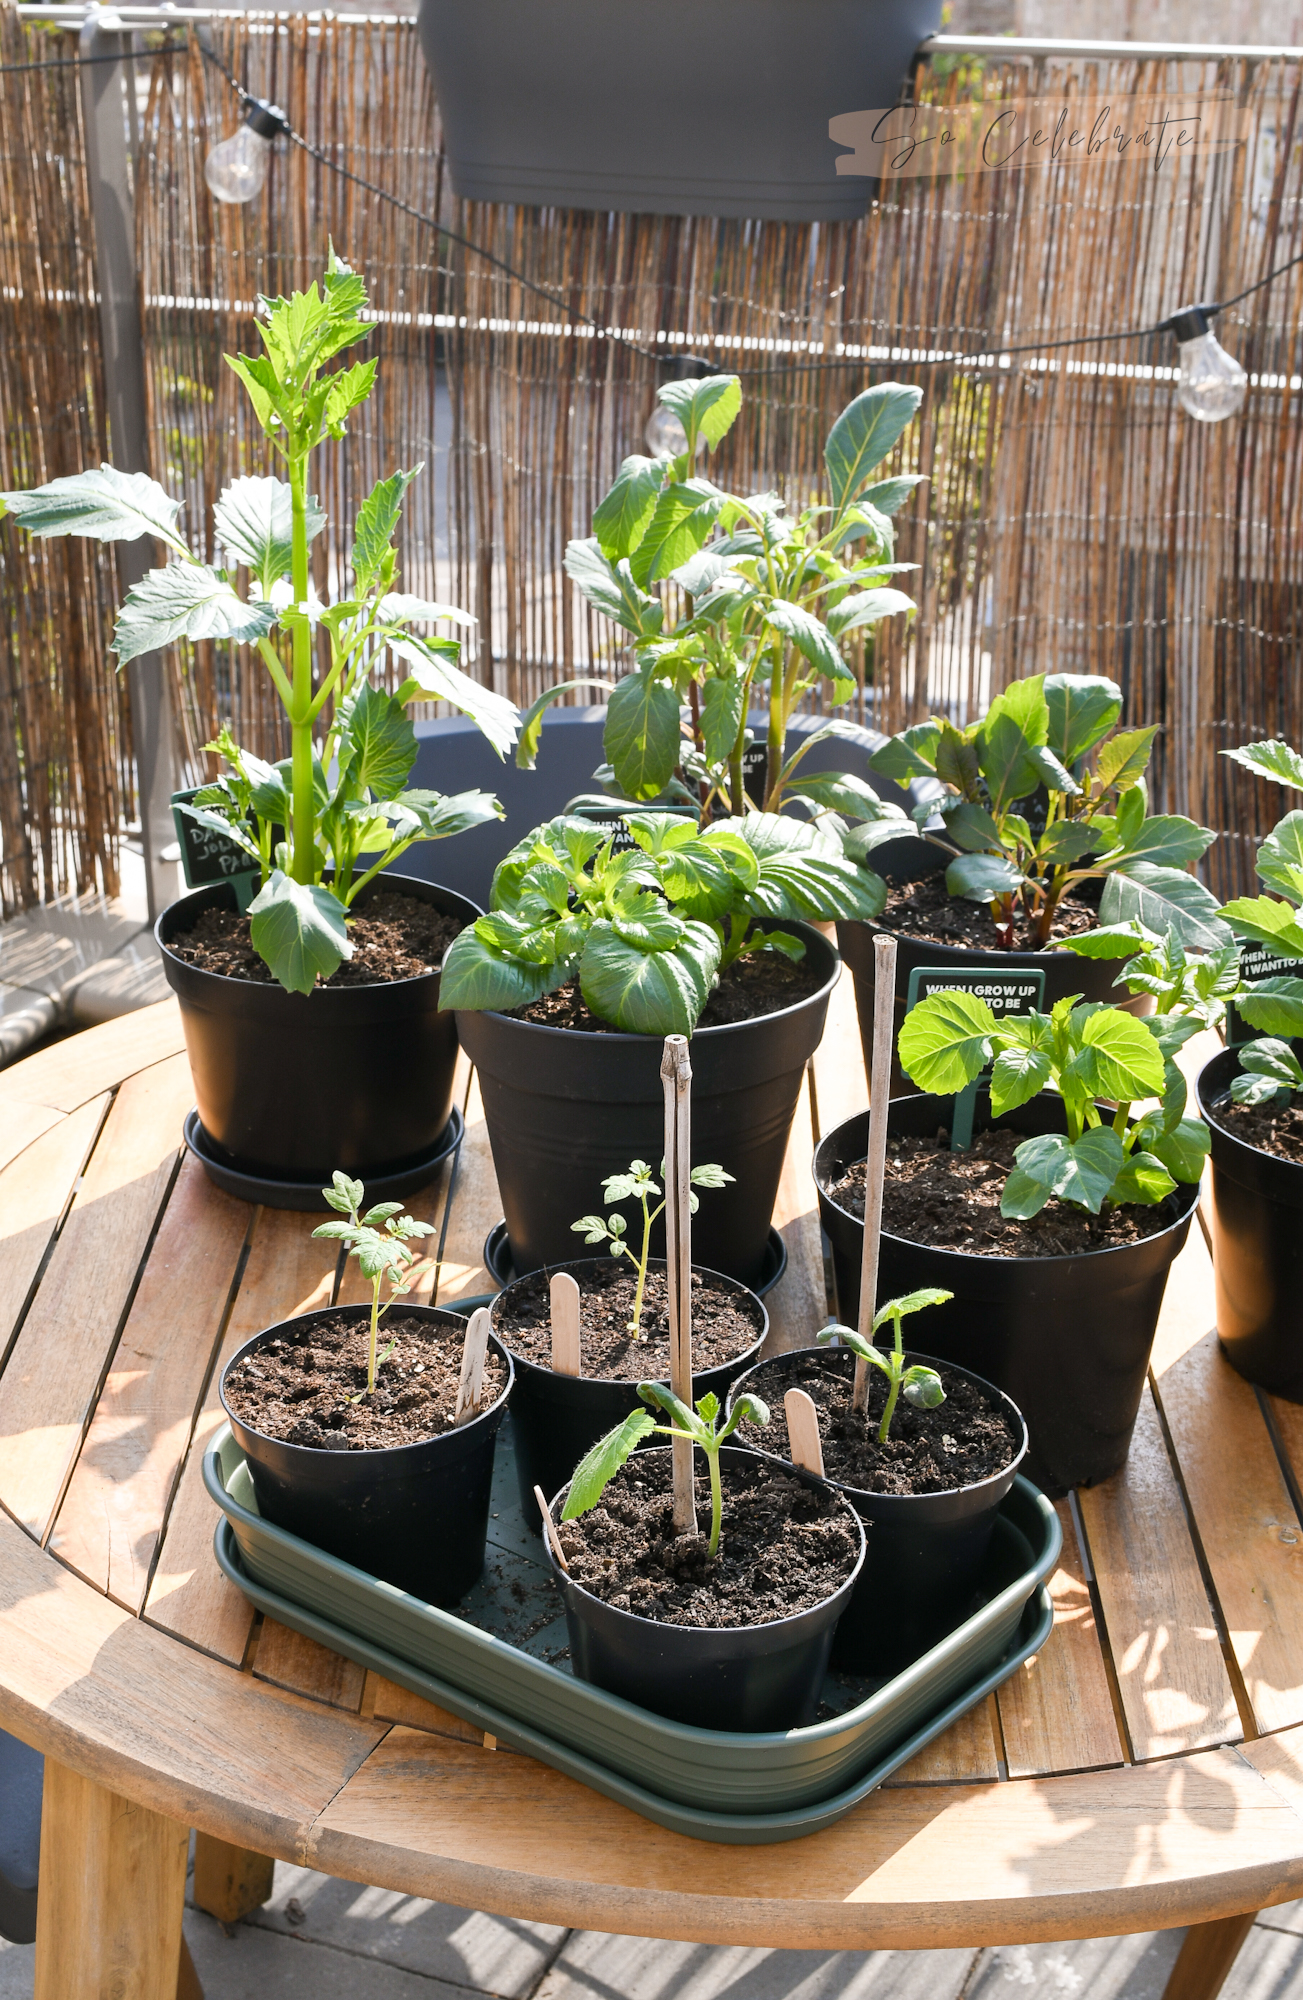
{"points": [[740, 1677], [1256, 1213], [555, 1419], [292, 1085], [415, 1515], [1066, 1338], [910, 860], [925, 1550], [566, 1109]]}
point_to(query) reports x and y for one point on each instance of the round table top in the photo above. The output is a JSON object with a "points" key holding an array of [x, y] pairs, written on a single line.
{"points": [[1145, 1769]]}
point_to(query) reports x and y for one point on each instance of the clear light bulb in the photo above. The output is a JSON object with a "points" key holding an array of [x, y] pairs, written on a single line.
{"points": [[1213, 385], [237, 169], [665, 435]]}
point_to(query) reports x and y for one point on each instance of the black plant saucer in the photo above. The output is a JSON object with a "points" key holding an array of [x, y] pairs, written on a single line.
{"points": [[497, 1260], [306, 1196]]}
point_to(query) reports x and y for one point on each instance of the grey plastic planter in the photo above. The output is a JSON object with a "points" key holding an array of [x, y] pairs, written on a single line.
{"points": [[665, 107]]}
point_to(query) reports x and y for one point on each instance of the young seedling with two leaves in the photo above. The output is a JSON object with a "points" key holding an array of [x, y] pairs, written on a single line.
{"points": [[342, 793], [1045, 793], [768, 602], [648, 930], [379, 1241], [1082, 1052], [919, 1385], [701, 1426], [638, 1185]]}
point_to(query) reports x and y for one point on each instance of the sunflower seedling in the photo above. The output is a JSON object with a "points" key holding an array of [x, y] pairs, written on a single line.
{"points": [[921, 1386], [701, 1426], [638, 1185], [378, 1241]]}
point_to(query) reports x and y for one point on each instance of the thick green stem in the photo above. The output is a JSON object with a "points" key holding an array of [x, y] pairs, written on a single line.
{"points": [[303, 860], [777, 733], [893, 1391], [716, 1501]]}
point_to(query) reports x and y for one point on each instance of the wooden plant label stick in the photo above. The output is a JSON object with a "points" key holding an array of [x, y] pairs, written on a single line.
{"points": [[676, 1073], [803, 1431], [884, 1029], [565, 1324], [474, 1349], [550, 1525]]}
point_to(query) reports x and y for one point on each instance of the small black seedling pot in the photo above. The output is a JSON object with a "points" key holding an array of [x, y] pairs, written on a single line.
{"points": [[415, 1515], [740, 1677], [1256, 1212], [555, 1419], [925, 1550], [1067, 1338]]}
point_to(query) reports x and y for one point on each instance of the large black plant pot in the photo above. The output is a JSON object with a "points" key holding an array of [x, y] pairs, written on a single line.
{"points": [[909, 860], [666, 107], [565, 1110], [1256, 1213], [292, 1085], [1066, 1338]]}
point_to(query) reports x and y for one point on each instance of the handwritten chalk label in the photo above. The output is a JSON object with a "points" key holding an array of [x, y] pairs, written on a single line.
{"points": [[206, 855], [1003, 992]]}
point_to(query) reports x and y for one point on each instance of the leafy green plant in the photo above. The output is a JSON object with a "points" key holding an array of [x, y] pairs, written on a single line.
{"points": [[765, 602], [1192, 990], [1046, 792], [1273, 920], [638, 1185], [921, 1386], [701, 1426], [343, 792], [648, 929], [378, 1240], [1271, 1073], [1082, 1052]]}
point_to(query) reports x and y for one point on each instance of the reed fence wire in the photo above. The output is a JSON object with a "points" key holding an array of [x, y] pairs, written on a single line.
{"points": [[65, 742]]}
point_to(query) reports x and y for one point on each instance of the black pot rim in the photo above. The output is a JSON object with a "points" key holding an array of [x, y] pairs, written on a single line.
{"points": [[373, 1453], [1233, 1138], [1188, 1191], [659, 1624], [577, 1264], [617, 1035], [988, 1389], [225, 979]]}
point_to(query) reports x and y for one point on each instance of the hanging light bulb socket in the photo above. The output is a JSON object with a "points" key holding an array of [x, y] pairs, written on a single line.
{"points": [[1212, 384], [236, 170], [665, 435]]}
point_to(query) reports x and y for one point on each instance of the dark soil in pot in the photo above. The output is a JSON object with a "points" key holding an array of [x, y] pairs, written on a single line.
{"points": [[739, 1642], [555, 1419], [1256, 1214], [356, 1074], [925, 909], [928, 1496], [384, 1482], [566, 1109], [393, 937], [1066, 1334]]}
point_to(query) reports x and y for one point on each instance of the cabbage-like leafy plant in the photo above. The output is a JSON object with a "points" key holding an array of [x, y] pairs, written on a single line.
{"points": [[701, 1426], [647, 930], [638, 1185], [1046, 792], [343, 794], [921, 1386], [1082, 1051], [765, 600]]}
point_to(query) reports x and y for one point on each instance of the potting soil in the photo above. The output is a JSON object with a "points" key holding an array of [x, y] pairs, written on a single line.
{"points": [[722, 1325], [964, 1440], [762, 983], [393, 937], [926, 909], [1272, 1128]]}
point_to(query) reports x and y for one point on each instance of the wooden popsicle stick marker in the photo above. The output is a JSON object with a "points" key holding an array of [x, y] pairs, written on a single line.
{"points": [[551, 1530], [474, 1349], [803, 1438], [884, 1028], [676, 1074], [565, 1324]]}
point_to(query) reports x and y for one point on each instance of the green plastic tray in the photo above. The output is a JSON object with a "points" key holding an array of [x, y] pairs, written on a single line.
{"points": [[501, 1662]]}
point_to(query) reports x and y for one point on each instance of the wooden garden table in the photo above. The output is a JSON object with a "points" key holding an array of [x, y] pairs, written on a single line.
{"points": [[1145, 1770]]}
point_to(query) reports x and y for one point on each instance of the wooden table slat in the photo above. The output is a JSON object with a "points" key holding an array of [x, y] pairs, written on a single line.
{"points": [[388, 1702], [70, 1072], [1056, 1712], [476, 1206], [290, 1660], [35, 1189], [967, 1753], [841, 1088]]}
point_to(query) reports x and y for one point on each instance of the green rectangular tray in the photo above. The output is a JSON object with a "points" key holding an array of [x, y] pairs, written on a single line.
{"points": [[501, 1662]]}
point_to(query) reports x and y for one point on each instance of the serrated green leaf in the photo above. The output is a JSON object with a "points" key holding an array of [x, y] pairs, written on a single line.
{"points": [[378, 742], [1271, 759], [185, 601], [680, 522], [1163, 899], [1082, 708], [706, 408], [598, 1467], [377, 518], [480, 977], [864, 433], [945, 1042], [494, 716], [261, 386], [623, 517], [299, 931], [349, 388], [254, 519], [1118, 1057], [1125, 757], [111, 506], [1266, 921], [722, 701], [610, 589], [1017, 1075], [1275, 1006], [1280, 857], [1143, 1179], [641, 737]]}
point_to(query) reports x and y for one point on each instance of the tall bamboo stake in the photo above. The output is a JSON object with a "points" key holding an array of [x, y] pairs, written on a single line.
{"points": [[676, 1072], [875, 1167]]}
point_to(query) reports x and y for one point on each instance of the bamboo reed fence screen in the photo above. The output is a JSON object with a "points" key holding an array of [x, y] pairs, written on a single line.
{"points": [[1072, 517]]}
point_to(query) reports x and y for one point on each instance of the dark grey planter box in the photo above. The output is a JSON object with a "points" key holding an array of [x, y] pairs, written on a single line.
{"points": [[665, 107]]}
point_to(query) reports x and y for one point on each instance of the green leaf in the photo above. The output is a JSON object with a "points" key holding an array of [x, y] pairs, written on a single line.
{"points": [[641, 736], [254, 519], [809, 635], [398, 607], [622, 518], [706, 408], [439, 817], [1017, 1075], [911, 1302], [722, 701], [231, 827], [803, 873], [347, 390], [610, 589], [1111, 941], [971, 827], [1273, 1005], [377, 518], [680, 523], [1183, 1150], [1118, 1056], [911, 754], [1144, 1179], [946, 1041], [111, 506], [1053, 774], [185, 601], [299, 931], [982, 877], [1268, 922], [344, 1194], [1272, 759], [866, 607], [1083, 1172], [890, 495], [922, 1387], [842, 792], [1066, 841], [494, 716], [1280, 857], [1124, 758], [480, 977], [649, 992], [598, 1467], [1272, 1058], [378, 742], [864, 433], [1163, 899], [531, 722], [1082, 708], [1017, 720], [1165, 840]]}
